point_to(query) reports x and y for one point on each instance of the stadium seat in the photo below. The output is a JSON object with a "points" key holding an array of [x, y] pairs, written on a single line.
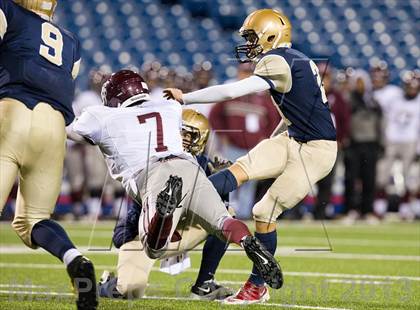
{"points": [[182, 32]]}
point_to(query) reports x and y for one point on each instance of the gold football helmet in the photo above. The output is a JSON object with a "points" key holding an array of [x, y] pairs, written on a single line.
{"points": [[195, 131], [263, 30], [44, 8]]}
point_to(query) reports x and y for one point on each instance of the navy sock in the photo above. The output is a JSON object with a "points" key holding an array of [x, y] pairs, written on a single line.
{"points": [[224, 181], [50, 236], [213, 251], [269, 240]]}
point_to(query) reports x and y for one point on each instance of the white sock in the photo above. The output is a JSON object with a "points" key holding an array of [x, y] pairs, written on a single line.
{"points": [[70, 255]]}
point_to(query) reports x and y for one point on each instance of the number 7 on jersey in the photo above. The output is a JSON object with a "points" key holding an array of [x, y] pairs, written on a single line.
{"points": [[159, 129]]}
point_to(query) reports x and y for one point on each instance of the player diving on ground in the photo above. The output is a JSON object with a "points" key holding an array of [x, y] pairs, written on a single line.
{"points": [[142, 145], [134, 266]]}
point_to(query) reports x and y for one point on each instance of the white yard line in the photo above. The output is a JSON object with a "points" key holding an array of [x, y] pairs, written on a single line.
{"points": [[305, 252], [35, 293], [344, 281], [332, 255], [232, 271], [363, 282], [349, 276], [310, 240], [9, 292], [299, 240], [262, 305], [14, 285], [353, 242]]}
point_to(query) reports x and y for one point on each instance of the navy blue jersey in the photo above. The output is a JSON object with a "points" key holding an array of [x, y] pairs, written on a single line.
{"points": [[204, 162], [38, 60], [304, 107]]}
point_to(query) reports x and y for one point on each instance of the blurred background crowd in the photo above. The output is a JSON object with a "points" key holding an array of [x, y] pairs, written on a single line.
{"points": [[367, 52]]}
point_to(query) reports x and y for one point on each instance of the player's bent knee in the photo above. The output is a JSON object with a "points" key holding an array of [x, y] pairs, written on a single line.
{"points": [[276, 200], [23, 228], [267, 209], [133, 289]]}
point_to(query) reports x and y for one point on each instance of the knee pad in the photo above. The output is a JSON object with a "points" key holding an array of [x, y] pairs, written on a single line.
{"points": [[23, 229], [132, 288], [267, 209]]}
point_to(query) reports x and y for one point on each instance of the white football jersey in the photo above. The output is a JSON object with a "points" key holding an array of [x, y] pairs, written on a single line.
{"points": [[402, 117], [84, 100], [131, 137]]}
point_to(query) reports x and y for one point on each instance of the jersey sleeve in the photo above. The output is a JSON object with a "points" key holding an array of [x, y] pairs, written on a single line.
{"points": [[5, 18], [276, 71], [77, 60], [88, 126]]}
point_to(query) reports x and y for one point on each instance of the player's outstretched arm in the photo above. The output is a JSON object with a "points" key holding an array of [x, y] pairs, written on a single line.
{"points": [[86, 128], [217, 93], [74, 136]]}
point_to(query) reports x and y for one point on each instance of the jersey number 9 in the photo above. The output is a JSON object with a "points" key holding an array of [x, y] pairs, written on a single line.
{"points": [[52, 48]]}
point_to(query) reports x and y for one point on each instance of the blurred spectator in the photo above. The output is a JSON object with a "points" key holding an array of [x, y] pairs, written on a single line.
{"points": [[154, 74], [240, 124], [361, 155], [341, 115], [85, 166], [202, 77], [401, 108], [342, 83], [379, 74]]}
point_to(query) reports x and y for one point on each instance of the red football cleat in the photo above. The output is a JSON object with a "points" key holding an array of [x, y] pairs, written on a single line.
{"points": [[249, 293]]}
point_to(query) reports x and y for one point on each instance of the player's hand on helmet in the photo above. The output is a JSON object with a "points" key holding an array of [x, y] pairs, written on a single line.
{"points": [[173, 93], [219, 164]]}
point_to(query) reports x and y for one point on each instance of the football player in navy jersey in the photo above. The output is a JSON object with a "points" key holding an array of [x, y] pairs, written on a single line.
{"points": [[134, 266], [38, 64], [298, 157]]}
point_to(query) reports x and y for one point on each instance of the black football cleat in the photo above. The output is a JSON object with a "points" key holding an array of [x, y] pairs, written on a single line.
{"points": [[170, 197], [82, 274], [264, 261], [210, 290]]}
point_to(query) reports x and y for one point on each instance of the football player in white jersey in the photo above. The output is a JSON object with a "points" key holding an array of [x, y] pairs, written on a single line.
{"points": [[134, 266], [142, 145], [401, 109]]}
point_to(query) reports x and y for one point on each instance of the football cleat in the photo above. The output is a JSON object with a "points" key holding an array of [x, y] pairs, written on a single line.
{"points": [[161, 224], [249, 293], [82, 274], [210, 290], [170, 197], [264, 261]]}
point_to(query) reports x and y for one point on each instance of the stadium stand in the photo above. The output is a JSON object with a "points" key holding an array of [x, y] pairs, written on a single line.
{"points": [[181, 33]]}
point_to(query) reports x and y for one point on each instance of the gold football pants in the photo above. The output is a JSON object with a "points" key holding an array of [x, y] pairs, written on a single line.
{"points": [[32, 147], [295, 166]]}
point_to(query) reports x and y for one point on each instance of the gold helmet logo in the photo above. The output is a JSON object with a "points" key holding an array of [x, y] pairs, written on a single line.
{"points": [[195, 131], [263, 31], [44, 8]]}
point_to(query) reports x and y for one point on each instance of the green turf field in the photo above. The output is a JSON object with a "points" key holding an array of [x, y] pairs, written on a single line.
{"points": [[370, 267]]}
